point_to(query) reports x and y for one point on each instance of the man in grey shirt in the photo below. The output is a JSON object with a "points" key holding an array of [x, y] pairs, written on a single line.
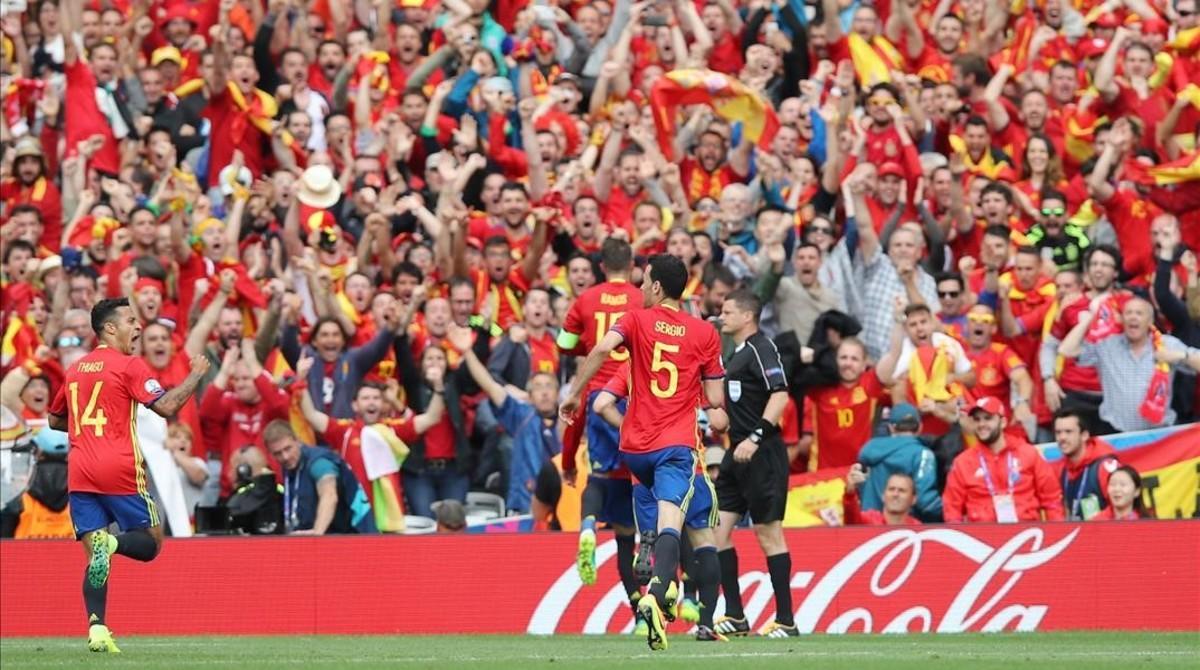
{"points": [[1127, 364]]}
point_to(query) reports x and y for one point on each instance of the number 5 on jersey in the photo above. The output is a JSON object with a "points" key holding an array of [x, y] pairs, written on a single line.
{"points": [[93, 416], [661, 363]]}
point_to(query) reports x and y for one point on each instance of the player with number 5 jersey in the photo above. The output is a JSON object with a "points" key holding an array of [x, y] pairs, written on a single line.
{"points": [[673, 356], [106, 475]]}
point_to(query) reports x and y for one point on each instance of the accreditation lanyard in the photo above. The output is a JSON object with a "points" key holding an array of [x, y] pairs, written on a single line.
{"points": [[291, 498], [1076, 499], [1013, 474], [1004, 505]]}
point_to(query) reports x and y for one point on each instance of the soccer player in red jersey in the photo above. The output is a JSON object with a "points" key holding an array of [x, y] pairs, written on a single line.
{"points": [[608, 496], [671, 355], [97, 406]]}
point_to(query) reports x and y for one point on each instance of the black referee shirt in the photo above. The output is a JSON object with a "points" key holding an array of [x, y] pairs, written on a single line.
{"points": [[752, 374]]}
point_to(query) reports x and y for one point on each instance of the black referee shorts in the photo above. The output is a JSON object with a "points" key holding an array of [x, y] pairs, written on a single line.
{"points": [[758, 487]]}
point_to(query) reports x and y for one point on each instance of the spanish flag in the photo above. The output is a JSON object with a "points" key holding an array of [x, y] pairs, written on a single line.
{"points": [[874, 60], [1185, 168], [929, 374], [728, 97], [20, 343], [1186, 41]]}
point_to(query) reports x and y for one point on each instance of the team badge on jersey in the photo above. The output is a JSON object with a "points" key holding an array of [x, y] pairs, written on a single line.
{"points": [[153, 387], [735, 391], [859, 395]]}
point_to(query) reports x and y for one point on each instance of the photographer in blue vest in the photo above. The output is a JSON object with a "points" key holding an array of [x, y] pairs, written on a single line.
{"points": [[320, 492]]}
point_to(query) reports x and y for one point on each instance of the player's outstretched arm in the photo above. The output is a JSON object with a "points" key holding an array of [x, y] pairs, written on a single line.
{"points": [[587, 370], [170, 402], [605, 405]]}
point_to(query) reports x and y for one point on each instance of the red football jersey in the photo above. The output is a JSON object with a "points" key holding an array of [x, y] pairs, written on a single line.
{"points": [[99, 399], [994, 368], [843, 418], [590, 317], [671, 353]]}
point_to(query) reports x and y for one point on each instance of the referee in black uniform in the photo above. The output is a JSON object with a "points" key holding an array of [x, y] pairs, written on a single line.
{"points": [[754, 473]]}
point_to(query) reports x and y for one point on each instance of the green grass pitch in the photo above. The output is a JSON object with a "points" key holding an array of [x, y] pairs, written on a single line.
{"points": [[858, 652]]}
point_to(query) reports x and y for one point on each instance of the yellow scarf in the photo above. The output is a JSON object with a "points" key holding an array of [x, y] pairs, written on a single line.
{"points": [[874, 60]]}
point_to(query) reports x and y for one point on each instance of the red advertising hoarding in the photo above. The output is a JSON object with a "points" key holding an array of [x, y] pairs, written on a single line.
{"points": [[1115, 575]]}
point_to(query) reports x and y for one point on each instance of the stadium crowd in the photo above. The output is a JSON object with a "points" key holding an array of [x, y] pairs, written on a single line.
{"points": [[967, 223]]}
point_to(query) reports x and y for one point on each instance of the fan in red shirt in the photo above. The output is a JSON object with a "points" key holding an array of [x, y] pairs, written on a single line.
{"points": [[97, 407], [1125, 206], [240, 414], [713, 166], [1003, 478], [345, 436], [241, 115], [30, 186], [843, 415], [499, 287], [673, 356], [1023, 310], [997, 366], [899, 496]]}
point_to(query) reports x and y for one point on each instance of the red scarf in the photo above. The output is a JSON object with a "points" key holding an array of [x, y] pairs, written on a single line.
{"points": [[1154, 406]]}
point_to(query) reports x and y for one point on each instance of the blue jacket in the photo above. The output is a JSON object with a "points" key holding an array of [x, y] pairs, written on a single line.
{"points": [[353, 513], [533, 443], [885, 456]]}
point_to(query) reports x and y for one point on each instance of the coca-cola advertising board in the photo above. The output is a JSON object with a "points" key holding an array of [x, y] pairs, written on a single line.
{"points": [[1108, 576]]}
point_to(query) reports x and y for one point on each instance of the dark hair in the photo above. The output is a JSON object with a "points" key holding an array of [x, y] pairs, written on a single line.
{"points": [[973, 65], [719, 273], [1053, 194], [746, 301], [30, 209], [105, 311], [998, 230], [616, 255], [335, 43], [18, 244], [407, 268], [1106, 249], [1028, 250], [770, 208], [328, 319], [455, 282], [1139, 506], [1068, 412], [370, 385], [950, 276], [670, 273], [998, 187], [805, 244], [917, 308], [514, 186], [496, 241], [976, 120], [885, 87]]}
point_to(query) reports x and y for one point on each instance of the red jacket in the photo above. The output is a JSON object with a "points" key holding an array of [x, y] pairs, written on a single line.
{"points": [[239, 424], [1035, 489]]}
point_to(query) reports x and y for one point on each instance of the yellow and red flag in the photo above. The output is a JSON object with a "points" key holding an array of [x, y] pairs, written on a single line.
{"points": [[728, 97]]}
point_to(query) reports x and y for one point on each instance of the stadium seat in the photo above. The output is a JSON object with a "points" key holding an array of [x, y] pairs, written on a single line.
{"points": [[479, 501], [419, 525]]}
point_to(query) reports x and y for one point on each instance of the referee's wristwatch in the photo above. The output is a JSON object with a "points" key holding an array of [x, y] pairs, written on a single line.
{"points": [[757, 436]]}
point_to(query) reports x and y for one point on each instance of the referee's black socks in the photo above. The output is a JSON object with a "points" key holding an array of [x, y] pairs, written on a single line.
{"points": [[729, 583], [707, 573], [666, 563], [780, 568], [137, 544]]}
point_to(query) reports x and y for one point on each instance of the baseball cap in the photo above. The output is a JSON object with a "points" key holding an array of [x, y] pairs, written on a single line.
{"points": [[904, 412], [988, 404], [167, 53], [50, 441], [1092, 48], [498, 84], [891, 168]]}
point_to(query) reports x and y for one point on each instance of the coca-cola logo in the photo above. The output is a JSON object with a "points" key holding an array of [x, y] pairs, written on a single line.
{"points": [[863, 590]]}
